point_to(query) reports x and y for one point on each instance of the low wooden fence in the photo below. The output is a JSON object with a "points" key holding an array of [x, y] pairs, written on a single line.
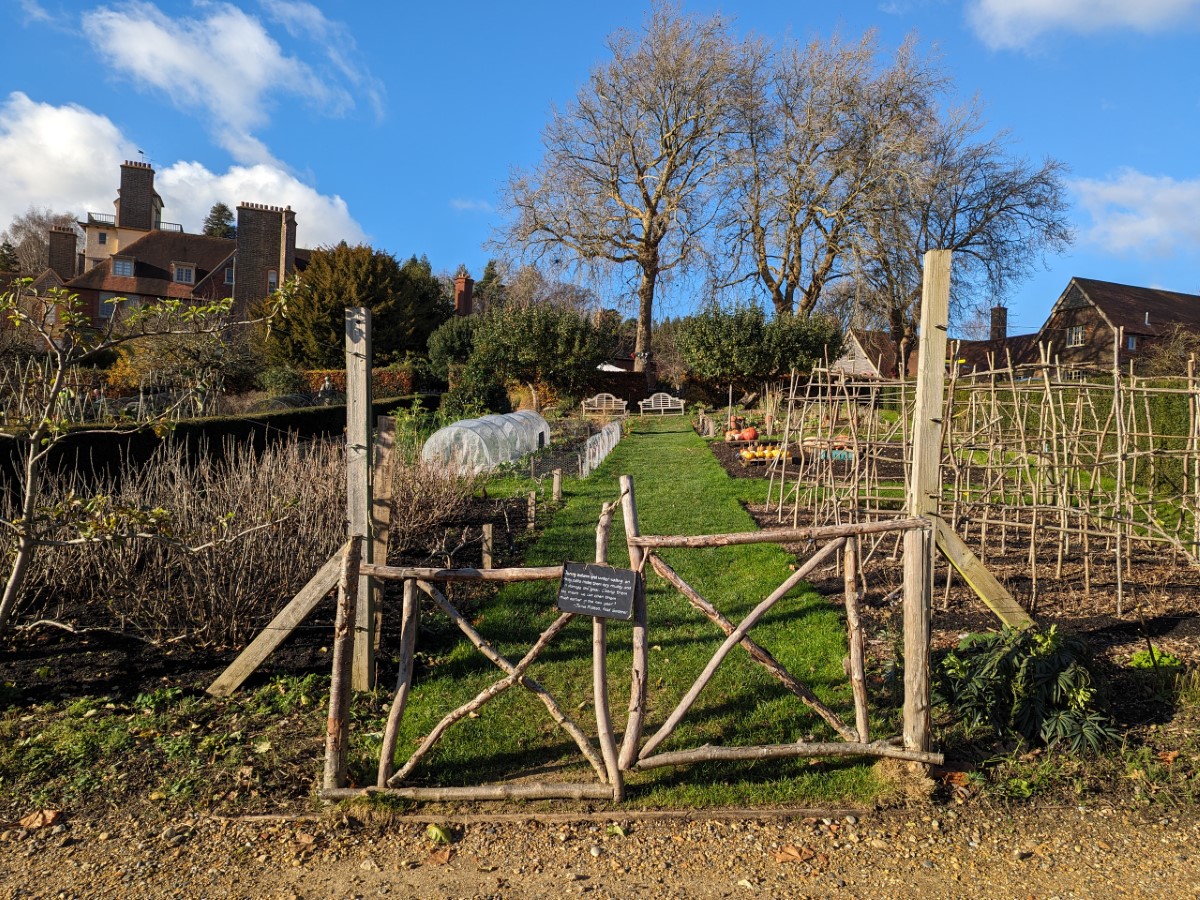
{"points": [[607, 759]]}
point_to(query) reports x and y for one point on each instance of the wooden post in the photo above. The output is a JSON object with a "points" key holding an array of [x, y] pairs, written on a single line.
{"points": [[858, 679], [382, 472], [338, 726], [486, 562], [408, 643], [531, 511], [556, 493], [641, 654], [604, 729], [358, 484], [925, 490]]}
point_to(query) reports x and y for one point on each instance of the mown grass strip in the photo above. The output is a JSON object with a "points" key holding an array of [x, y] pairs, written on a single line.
{"points": [[681, 489]]}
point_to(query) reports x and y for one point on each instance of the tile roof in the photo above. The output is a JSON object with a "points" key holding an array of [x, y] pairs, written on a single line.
{"points": [[153, 254], [1128, 306]]}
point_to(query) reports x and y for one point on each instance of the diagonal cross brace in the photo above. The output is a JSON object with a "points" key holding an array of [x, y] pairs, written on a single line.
{"points": [[515, 675]]}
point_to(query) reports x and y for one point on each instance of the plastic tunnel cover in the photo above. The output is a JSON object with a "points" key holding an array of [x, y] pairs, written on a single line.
{"points": [[480, 445]]}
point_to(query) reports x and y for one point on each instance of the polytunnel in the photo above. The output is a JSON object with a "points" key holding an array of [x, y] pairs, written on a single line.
{"points": [[479, 445]]}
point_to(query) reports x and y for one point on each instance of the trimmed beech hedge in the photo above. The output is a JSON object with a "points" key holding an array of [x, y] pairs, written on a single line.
{"points": [[89, 450]]}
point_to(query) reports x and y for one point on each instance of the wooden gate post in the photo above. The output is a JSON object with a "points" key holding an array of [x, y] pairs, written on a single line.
{"points": [[358, 485], [641, 655], [925, 490]]}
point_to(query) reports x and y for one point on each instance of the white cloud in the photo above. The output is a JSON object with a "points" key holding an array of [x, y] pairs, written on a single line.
{"points": [[189, 190], [35, 12], [62, 157], [225, 63], [68, 158], [1139, 214], [463, 204], [1017, 23]]}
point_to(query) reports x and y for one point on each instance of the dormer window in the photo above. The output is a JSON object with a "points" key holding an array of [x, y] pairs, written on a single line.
{"points": [[184, 273], [122, 267]]}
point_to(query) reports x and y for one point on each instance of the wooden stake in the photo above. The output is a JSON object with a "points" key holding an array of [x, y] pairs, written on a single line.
{"points": [[858, 678], [408, 641], [924, 495], [604, 728], [337, 729], [358, 483], [487, 546], [641, 654], [531, 511], [556, 493]]}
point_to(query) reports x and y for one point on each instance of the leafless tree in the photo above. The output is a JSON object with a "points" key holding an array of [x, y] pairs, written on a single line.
{"points": [[999, 213], [627, 175], [820, 131], [29, 235]]}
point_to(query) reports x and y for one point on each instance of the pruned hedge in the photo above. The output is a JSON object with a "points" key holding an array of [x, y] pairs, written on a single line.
{"points": [[90, 450]]}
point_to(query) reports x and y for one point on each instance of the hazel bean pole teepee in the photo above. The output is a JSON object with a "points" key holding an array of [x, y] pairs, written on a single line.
{"points": [[925, 490]]}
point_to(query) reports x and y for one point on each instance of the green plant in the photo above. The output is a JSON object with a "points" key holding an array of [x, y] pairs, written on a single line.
{"points": [[476, 391], [278, 380], [1153, 658], [1034, 684]]}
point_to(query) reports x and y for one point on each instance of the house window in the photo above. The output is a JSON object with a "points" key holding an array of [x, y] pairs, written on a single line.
{"points": [[103, 237], [272, 281], [1075, 336], [123, 267], [105, 307], [229, 274], [185, 274], [1131, 342]]}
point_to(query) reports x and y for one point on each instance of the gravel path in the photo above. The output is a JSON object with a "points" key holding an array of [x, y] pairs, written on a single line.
{"points": [[972, 851]]}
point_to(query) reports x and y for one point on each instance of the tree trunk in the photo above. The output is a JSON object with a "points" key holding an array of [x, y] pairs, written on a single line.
{"points": [[26, 544], [533, 397], [643, 346]]}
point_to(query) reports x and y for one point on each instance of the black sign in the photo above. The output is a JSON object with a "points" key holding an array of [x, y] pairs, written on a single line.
{"points": [[594, 590]]}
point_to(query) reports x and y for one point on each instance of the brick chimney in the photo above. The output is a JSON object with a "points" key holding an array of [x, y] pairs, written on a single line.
{"points": [[999, 329], [464, 286], [63, 254], [266, 251], [138, 206]]}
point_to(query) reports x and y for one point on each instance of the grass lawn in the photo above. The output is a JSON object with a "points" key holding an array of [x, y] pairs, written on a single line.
{"points": [[680, 489]]}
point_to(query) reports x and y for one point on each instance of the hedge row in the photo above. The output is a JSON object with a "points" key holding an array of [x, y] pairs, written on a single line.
{"points": [[389, 382], [90, 451]]}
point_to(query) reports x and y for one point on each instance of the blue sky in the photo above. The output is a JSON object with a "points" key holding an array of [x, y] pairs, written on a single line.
{"points": [[397, 123]]}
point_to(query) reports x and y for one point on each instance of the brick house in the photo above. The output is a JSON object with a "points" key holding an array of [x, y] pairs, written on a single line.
{"points": [[134, 254], [1085, 326]]}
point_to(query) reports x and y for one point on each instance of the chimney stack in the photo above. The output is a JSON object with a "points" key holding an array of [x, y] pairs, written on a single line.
{"points": [[464, 286], [266, 251], [63, 254], [999, 329]]}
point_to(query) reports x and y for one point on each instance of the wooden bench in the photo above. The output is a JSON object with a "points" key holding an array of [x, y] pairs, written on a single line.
{"points": [[662, 404], [604, 405]]}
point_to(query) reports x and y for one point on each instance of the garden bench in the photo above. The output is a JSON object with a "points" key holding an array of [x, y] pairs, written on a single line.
{"points": [[662, 404], [604, 405]]}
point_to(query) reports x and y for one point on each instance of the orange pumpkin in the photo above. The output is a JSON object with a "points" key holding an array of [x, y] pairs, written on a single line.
{"points": [[750, 434]]}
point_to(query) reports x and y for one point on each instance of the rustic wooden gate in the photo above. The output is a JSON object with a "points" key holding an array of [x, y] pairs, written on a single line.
{"points": [[610, 762]]}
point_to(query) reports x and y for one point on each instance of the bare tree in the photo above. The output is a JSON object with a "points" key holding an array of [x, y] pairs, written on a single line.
{"points": [[29, 236], [627, 175], [821, 130], [999, 213]]}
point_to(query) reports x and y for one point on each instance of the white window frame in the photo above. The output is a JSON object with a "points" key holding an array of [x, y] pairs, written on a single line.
{"points": [[229, 275], [120, 263], [182, 269], [272, 281], [1075, 336]]}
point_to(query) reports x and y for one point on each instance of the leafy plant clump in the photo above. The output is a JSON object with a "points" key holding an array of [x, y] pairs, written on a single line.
{"points": [[1153, 658], [1035, 684]]}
